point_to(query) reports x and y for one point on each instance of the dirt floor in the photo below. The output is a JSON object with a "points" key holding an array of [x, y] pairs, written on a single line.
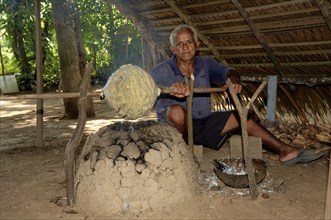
{"points": [[32, 180]]}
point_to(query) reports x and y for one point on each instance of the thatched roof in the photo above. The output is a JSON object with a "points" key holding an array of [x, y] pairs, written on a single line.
{"points": [[290, 39]]}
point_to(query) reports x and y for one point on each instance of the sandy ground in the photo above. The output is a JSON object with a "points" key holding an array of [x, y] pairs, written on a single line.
{"points": [[32, 183]]}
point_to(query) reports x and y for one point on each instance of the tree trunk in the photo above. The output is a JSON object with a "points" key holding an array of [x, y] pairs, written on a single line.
{"points": [[71, 53]]}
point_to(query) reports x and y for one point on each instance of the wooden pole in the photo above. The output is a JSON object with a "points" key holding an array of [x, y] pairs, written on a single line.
{"points": [[69, 158], [197, 90], [272, 98], [327, 212], [40, 109], [77, 94], [56, 95], [189, 114], [243, 121], [259, 36]]}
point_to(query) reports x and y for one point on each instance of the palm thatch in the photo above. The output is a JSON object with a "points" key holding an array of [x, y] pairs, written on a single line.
{"points": [[290, 39]]}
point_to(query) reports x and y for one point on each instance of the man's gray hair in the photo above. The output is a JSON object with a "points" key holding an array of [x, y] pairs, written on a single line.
{"points": [[180, 28]]}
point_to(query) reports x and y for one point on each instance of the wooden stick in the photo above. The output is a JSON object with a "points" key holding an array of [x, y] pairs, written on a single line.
{"points": [[69, 159], [248, 160], [189, 114], [56, 95], [168, 90], [63, 95], [257, 92], [327, 210], [39, 73]]}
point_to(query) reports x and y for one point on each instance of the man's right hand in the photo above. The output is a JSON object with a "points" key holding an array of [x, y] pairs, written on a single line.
{"points": [[180, 90]]}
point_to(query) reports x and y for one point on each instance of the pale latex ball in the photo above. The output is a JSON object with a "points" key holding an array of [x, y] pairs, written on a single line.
{"points": [[130, 91]]}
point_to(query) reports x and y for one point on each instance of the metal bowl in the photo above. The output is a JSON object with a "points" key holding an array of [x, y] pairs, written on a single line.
{"points": [[232, 171]]}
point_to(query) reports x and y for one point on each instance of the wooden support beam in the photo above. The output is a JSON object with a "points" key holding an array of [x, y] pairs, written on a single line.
{"points": [[272, 98], [276, 5], [205, 3], [39, 55], [313, 63], [327, 208], [259, 36], [308, 80], [155, 11], [199, 16], [264, 27], [58, 95], [227, 13], [146, 4], [202, 37], [190, 82], [324, 7], [267, 28], [280, 53], [254, 17], [230, 12], [289, 44], [305, 43], [279, 25], [192, 5]]}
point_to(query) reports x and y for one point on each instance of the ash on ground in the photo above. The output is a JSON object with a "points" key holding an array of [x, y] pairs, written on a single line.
{"points": [[132, 167], [270, 185]]}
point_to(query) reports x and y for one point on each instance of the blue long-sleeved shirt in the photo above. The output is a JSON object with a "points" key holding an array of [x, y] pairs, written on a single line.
{"points": [[206, 71]]}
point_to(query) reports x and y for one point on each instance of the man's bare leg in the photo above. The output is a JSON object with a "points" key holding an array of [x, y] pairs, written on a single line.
{"points": [[176, 117], [285, 151]]}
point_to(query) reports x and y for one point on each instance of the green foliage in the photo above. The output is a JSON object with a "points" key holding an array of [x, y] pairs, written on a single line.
{"points": [[106, 33], [51, 58], [110, 40], [13, 21]]}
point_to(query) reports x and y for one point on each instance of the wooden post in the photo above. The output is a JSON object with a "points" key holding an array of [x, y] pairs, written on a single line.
{"points": [[327, 212], [189, 114], [56, 95], [62, 95], [272, 98], [40, 103], [69, 158], [243, 121]]}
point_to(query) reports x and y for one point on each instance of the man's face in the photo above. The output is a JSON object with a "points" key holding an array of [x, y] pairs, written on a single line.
{"points": [[185, 46]]}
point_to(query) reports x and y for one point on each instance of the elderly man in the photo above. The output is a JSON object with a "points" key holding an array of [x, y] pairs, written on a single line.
{"points": [[209, 128]]}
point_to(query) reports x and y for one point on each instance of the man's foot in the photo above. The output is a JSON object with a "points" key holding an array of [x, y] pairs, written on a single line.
{"points": [[304, 156]]}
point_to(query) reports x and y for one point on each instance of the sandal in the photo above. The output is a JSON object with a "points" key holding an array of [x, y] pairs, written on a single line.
{"points": [[304, 156]]}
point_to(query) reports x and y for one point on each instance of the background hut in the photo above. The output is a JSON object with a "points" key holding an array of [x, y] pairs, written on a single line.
{"points": [[288, 39]]}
